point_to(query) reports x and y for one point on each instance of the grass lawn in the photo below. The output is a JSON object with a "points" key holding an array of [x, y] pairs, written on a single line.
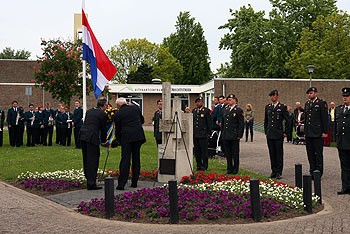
{"points": [[14, 161]]}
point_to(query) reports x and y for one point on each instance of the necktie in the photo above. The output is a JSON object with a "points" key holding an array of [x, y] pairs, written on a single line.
{"points": [[346, 108]]}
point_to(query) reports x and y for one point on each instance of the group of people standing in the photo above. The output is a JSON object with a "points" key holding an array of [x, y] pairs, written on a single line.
{"points": [[39, 124]]}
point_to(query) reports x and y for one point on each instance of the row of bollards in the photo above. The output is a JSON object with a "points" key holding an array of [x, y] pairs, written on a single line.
{"points": [[305, 182], [301, 181]]}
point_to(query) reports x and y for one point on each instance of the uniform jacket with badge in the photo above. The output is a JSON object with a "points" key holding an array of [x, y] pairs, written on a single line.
{"points": [[15, 116], [276, 121], [156, 120], [94, 129], [316, 118], [202, 122], [233, 123], [342, 128]]}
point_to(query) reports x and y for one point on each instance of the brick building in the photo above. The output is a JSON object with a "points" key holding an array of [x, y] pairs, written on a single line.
{"points": [[16, 79]]}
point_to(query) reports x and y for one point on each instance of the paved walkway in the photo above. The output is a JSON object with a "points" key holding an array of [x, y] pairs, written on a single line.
{"points": [[23, 212]]}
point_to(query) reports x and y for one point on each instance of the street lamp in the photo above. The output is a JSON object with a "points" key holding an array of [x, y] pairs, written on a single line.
{"points": [[310, 69]]}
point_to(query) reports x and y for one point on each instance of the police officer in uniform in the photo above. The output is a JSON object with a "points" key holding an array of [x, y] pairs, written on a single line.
{"points": [[232, 131], [275, 115], [156, 120], [202, 124], [316, 128], [342, 133]]}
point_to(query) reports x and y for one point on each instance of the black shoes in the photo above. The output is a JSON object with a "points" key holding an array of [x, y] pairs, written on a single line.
{"points": [[94, 187], [133, 185], [119, 188], [344, 191], [276, 175], [232, 172]]}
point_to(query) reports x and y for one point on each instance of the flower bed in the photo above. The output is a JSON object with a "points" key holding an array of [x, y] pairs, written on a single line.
{"points": [[210, 200]]}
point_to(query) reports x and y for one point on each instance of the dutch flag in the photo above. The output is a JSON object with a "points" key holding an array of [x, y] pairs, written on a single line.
{"points": [[101, 68]]}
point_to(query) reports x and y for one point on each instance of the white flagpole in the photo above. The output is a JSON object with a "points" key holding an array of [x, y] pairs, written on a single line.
{"points": [[84, 76]]}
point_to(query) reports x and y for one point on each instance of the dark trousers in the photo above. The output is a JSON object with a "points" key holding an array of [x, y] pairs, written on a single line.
{"points": [[1, 137], [130, 151], [30, 136], [314, 149], [158, 141], [344, 156], [232, 153], [91, 158], [15, 135], [48, 132], [76, 137], [249, 128], [276, 154], [66, 136], [332, 131], [58, 135], [201, 152]]}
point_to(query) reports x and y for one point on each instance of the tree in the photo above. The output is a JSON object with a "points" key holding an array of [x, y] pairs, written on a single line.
{"points": [[260, 46], [9, 53], [189, 46], [326, 44], [132, 53], [143, 74], [246, 39], [59, 70]]}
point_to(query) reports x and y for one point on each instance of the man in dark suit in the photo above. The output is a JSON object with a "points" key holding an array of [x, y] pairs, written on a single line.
{"points": [[2, 119], [316, 128], [49, 119], [33, 124], [202, 124], [13, 121], [215, 113], [275, 130], [156, 120], [129, 133], [58, 124], [92, 134], [342, 133], [65, 119], [77, 122], [232, 131]]}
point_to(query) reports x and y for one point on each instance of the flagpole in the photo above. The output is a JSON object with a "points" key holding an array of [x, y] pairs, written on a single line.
{"points": [[84, 75]]}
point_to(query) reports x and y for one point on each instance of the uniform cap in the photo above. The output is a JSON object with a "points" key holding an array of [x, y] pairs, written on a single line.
{"points": [[198, 99], [311, 89], [273, 92], [231, 96], [345, 92]]}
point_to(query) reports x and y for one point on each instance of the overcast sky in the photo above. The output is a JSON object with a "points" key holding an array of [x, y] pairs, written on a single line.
{"points": [[24, 23]]}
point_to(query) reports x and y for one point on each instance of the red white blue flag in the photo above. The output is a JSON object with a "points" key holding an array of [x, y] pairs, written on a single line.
{"points": [[101, 68]]}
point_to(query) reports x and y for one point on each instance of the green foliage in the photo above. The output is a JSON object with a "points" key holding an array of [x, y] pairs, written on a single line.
{"points": [[132, 53], [143, 74], [59, 70], [326, 44], [189, 46], [261, 46], [9, 53]]}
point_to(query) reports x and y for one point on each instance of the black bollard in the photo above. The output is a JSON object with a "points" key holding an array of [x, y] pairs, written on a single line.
{"points": [[317, 184], [255, 200], [307, 193], [298, 175], [173, 202], [109, 197]]}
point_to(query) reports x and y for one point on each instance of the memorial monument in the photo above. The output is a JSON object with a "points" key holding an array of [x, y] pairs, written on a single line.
{"points": [[175, 154]]}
